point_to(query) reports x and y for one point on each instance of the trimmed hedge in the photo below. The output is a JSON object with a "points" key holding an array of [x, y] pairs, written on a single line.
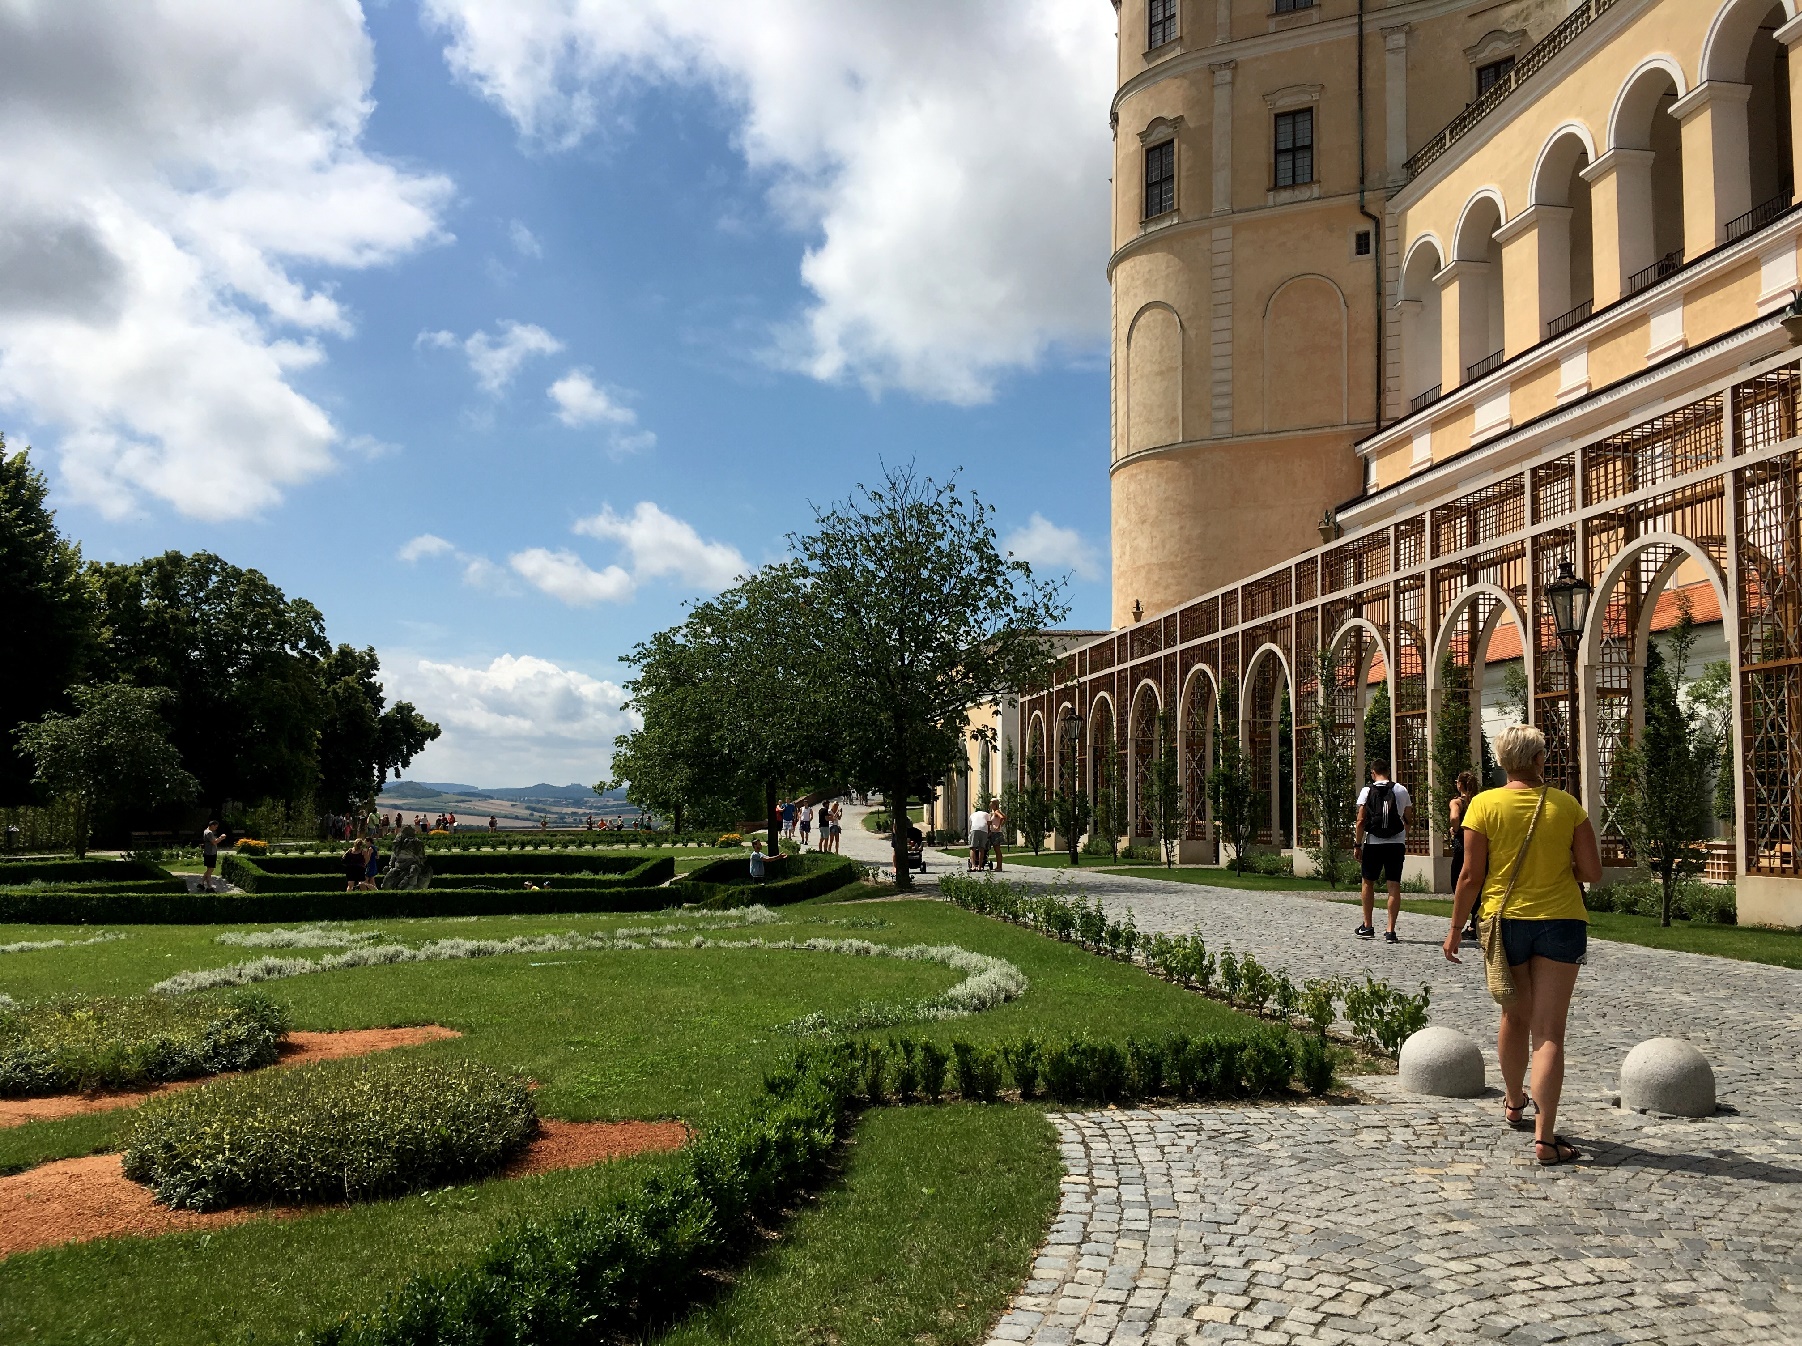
{"points": [[313, 874], [172, 884], [344, 1131], [48, 907], [81, 1043], [523, 840], [139, 873], [612, 1272], [727, 882]]}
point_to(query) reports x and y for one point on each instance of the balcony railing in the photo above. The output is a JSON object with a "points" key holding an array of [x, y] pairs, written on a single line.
{"points": [[1549, 46], [1758, 217], [1426, 399], [1491, 361], [1667, 265], [1565, 321]]}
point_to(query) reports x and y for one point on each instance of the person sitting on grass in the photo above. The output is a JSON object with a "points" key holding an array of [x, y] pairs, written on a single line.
{"points": [[760, 863]]}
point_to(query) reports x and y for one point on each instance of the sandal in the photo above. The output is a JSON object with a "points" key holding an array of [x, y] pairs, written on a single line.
{"points": [[1563, 1152], [1515, 1114]]}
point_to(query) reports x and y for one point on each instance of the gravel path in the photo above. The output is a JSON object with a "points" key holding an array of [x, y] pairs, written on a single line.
{"points": [[1421, 1220]]}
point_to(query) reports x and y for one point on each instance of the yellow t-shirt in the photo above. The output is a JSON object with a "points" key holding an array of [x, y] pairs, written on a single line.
{"points": [[1547, 889]]}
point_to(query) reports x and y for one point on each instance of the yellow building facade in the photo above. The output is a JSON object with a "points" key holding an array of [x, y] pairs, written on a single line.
{"points": [[1568, 340]]}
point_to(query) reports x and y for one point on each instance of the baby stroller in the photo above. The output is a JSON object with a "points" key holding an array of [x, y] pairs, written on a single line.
{"points": [[916, 849]]}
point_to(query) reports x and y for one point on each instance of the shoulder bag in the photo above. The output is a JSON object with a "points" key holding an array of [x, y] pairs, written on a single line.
{"points": [[1495, 957]]}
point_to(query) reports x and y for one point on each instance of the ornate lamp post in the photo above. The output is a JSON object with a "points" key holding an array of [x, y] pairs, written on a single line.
{"points": [[1569, 596]]}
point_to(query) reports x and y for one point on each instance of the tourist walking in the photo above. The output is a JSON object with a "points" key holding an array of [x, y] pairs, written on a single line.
{"points": [[805, 817], [1528, 848], [209, 855], [997, 834], [1467, 791], [1384, 812], [356, 867], [979, 839], [838, 818]]}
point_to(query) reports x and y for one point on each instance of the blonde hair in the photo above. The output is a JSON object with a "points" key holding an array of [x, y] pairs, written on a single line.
{"points": [[1517, 746]]}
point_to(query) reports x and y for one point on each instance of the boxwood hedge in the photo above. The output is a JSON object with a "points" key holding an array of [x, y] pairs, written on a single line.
{"points": [[727, 882], [88, 1043], [323, 873], [338, 1131], [137, 874]]}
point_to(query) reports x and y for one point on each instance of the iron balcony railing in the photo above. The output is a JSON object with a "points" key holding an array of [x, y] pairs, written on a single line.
{"points": [[1498, 93], [1426, 399], [1667, 265], [1757, 217], [1565, 321], [1491, 361]]}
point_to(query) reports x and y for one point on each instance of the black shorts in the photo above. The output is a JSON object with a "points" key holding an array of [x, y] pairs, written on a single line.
{"points": [[1383, 863], [1561, 941]]}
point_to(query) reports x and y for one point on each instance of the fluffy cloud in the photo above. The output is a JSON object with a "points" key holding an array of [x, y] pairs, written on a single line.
{"points": [[169, 170], [569, 579], [426, 544], [494, 360], [524, 241], [580, 403], [515, 721], [949, 159], [660, 544], [1044, 544]]}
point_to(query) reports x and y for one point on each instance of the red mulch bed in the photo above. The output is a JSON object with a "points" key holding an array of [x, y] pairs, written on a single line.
{"points": [[73, 1200]]}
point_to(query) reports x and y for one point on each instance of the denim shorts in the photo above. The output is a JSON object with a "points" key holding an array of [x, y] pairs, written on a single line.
{"points": [[1564, 941]]}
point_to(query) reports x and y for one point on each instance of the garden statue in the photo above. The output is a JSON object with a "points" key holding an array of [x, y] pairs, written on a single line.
{"points": [[407, 869]]}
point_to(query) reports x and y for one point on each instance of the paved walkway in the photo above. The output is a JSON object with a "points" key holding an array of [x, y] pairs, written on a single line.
{"points": [[1426, 1220]]}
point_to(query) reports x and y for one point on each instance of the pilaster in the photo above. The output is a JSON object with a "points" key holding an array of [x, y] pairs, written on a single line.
{"points": [[1717, 178], [1620, 201]]}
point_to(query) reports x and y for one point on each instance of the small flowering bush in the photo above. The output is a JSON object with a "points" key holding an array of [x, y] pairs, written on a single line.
{"points": [[251, 846], [87, 1043], [731, 839]]}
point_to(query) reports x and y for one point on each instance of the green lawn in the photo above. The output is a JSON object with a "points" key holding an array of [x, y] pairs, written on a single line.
{"points": [[616, 1034], [1751, 944]]}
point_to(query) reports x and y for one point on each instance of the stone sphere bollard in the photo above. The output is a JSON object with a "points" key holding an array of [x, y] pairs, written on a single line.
{"points": [[1667, 1075], [1441, 1062]]}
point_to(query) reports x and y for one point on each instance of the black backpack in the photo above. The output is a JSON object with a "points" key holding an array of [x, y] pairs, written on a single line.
{"points": [[1381, 818]]}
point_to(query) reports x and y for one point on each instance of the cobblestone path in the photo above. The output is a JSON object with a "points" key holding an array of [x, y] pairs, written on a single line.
{"points": [[1419, 1220]]}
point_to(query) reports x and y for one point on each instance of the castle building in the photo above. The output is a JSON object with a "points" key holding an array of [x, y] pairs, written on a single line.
{"points": [[1414, 307]]}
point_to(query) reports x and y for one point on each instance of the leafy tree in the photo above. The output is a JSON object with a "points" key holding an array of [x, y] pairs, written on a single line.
{"points": [[1109, 811], [1011, 803], [1035, 802], [240, 659], [113, 752], [1451, 739], [360, 741], [1328, 790], [1711, 695], [49, 609], [1515, 700], [1237, 801], [1376, 726], [1165, 784], [910, 614], [1071, 811], [1661, 801]]}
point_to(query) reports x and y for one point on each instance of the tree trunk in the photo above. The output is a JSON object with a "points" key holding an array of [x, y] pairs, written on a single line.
{"points": [[771, 820], [898, 820], [1669, 881]]}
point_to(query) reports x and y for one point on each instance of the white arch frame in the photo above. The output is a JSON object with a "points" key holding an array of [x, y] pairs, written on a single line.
{"points": [[1089, 735], [1662, 61], [1489, 192], [1247, 682], [1722, 29], [1536, 193], [1132, 744], [1205, 673], [1430, 239]]}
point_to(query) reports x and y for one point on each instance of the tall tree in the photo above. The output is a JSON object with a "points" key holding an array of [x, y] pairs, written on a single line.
{"points": [[114, 752], [1660, 782], [1071, 812], [361, 739], [241, 661], [1328, 790], [1376, 725], [1451, 740], [1165, 783], [1238, 803], [913, 615], [677, 764], [49, 610]]}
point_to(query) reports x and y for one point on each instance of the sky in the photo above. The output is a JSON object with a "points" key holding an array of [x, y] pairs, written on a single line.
{"points": [[500, 329]]}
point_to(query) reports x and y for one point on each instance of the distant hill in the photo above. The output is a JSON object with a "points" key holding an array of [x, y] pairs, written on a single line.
{"points": [[421, 789]]}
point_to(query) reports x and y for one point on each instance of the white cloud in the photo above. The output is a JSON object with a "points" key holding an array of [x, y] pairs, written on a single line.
{"points": [[661, 544], [426, 544], [1043, 543], [517, 720], [950, 159], [569, 579], [171, 173], [580, 402], [524, 241], [494, 360]]}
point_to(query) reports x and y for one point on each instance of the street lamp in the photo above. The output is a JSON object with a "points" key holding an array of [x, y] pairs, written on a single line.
{"points": [[1569, 596]]}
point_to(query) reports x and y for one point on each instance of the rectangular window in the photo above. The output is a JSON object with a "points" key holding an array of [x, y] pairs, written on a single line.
{"points": [[1488, 76], [1295, 147], [1163, 23], [1291, 6], [1361, 243], [1160, 179]]}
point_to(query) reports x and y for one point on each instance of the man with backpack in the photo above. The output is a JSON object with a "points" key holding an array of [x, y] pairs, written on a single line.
{"points": [[1384, 812]]}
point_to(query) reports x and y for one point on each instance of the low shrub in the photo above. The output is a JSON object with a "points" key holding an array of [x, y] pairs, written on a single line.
{"points": [[726, 882], [89, 1043], [74, 907], [1383, 1016], [339, 1131], [1693, 900], [324, 873], [251, 846], [23, 873]]}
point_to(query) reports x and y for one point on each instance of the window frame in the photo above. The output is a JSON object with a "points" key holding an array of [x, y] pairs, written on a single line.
{"points": [[1290, 119], [1165, 149], [1170, 20], [1502, 65], [1292, 6]]}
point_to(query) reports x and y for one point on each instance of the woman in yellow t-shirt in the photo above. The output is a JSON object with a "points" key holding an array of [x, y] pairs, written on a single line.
{"points": [[1545, 928]]}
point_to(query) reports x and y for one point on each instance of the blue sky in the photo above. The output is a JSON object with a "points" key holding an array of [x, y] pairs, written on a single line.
{"points": [[500, 329]]}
